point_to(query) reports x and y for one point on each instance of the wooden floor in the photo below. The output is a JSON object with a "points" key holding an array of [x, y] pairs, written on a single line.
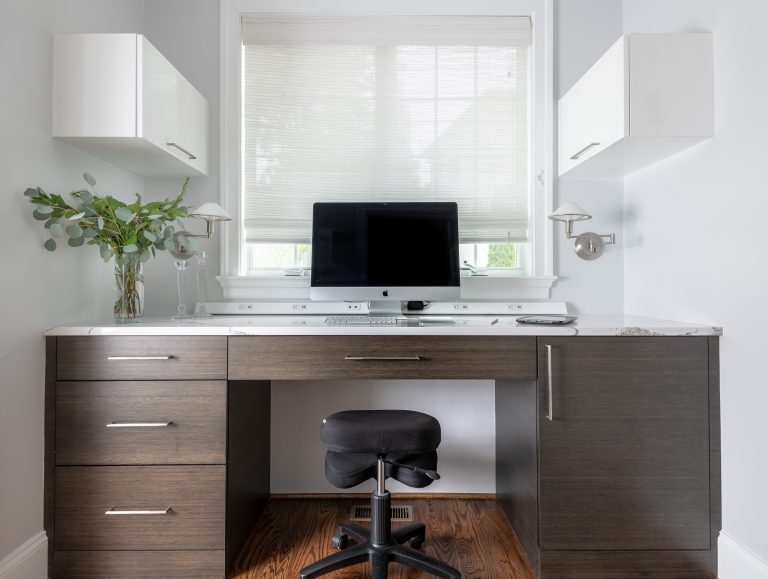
{"points": [[471, 535]]}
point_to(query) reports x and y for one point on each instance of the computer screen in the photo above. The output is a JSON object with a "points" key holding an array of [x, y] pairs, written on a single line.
{"points": [[385, 251]]}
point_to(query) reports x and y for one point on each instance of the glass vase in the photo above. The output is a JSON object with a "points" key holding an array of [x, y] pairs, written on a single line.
{"points": [[129, 286]]}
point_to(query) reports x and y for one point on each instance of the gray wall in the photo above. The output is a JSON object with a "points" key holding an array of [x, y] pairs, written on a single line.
{"points": [[39, 289]]}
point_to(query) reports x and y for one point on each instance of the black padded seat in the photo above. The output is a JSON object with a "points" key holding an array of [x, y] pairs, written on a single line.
{"points": [[349, 469], [380, 444], [381, 432]]}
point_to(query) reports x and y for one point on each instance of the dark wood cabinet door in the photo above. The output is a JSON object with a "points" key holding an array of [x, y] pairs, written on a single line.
{"points": [[624, 460]]}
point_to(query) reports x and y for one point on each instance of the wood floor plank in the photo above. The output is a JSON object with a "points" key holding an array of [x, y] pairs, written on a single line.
{"points": [[469, 534]]}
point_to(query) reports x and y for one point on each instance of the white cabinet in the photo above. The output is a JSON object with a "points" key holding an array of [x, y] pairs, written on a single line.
{"points": [[648, 97], [117, 97]]}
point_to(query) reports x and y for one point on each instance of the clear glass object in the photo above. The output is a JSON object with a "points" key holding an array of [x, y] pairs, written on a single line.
{"points": [[181, 278], [129, 288], [202, 286]]}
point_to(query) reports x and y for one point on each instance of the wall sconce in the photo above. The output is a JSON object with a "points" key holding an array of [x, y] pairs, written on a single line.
{"points": [[588, 245], [184, 250]]}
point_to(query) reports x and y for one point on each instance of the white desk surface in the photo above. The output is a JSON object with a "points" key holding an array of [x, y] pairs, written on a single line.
{"points": [[299, 325]]}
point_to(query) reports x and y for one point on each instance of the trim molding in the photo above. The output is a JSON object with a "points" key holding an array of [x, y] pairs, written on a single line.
{"points": [[27, 561], [735, 561]]}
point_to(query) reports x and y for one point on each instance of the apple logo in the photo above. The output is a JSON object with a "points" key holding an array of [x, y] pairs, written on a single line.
{"points": [[385, 293]]}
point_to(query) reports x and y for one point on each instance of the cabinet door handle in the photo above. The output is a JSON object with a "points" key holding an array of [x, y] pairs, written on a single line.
{"points": [[116, 424], [584, 150], [130, 512], [550, 413], [183, 150], [384, 358], [122, 358]]}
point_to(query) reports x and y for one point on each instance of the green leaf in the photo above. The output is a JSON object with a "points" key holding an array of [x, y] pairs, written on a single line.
{"points": [[149, 236], [123, 214], [168, 244], [75, 241], [130, 248], [57, 230], [155, 216], [39, 216], [89, 179], [50, 245], [50, 222], [101, 222], [90, 211], [144, 257], [106, 253], [86, 197], [78, 216], [90, 233], [44, 209], [31, 192], [75, 231]]}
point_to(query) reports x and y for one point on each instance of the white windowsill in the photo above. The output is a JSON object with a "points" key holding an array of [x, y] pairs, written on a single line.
{"points": [[472, 287]]}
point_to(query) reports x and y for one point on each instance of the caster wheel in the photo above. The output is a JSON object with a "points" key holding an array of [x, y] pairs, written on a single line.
{"points": [[340, 541], [416, 542]]}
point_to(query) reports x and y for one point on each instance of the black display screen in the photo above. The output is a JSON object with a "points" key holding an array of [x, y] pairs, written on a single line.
{"points": [[385, 244]]}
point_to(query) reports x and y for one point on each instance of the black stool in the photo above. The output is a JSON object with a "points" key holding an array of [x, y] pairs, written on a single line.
{"points": [[364, 444]]}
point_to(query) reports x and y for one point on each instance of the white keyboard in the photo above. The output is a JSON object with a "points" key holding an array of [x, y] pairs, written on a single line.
{"points": [[361, 320]]}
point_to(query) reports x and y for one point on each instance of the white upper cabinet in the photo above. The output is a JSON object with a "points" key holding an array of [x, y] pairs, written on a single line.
{"points": [[117, 97], [648, 97]]}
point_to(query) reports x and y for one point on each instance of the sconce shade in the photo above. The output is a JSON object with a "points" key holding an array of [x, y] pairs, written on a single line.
{"points": [[570, 212], [210, 212]]}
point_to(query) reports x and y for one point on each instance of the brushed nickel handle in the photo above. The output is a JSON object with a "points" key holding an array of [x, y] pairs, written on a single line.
{"points": [[115, 358], [550, 413], [130, 512], [384, 358], [584, 150], [183, 150], [116, 424]]}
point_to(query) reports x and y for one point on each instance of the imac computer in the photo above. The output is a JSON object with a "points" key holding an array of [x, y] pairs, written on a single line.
{"points": [[385, 251]]}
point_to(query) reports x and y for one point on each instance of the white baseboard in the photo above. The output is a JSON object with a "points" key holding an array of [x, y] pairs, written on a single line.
{"points": [[735, 561], [28, 561]]}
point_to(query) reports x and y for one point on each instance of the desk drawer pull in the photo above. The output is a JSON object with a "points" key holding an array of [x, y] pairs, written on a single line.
{"points": [[123, 358], [116, 424], [130, 512], [384, 358]]}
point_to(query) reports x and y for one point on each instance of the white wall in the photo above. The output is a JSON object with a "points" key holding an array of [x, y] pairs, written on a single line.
{"points": [[38, 289], [695, 250], [584, 30]]}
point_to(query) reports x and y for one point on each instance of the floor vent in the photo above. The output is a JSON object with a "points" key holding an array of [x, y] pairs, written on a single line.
{"points": [[399, 513]]}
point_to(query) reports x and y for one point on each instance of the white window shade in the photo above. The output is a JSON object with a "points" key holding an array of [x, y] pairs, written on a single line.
{"points": [[386, 109]]}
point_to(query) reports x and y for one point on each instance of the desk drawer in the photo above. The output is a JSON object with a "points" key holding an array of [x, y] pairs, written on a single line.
{"points": [[193, 495], [365, 357], [142, 358], [121, 423]]}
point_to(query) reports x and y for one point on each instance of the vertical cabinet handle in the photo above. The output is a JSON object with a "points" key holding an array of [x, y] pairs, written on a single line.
{"points": [[550, 412]]}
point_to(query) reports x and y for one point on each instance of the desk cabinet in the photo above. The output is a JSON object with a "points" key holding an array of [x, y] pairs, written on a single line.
{"points": [[140, 425], [619, 480]]}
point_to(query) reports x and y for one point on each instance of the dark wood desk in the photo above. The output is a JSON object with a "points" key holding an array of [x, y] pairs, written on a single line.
{"points": [[622, 481]]}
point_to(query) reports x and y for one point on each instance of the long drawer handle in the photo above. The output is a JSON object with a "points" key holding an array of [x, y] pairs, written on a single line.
{"points": [[183, 150], [584, 150], [130, 512], [116, 424], [550, 410], [122, 358], [384, 358]]}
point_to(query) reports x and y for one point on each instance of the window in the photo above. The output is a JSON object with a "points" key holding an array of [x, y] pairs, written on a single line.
{"points": [[385, 108]]}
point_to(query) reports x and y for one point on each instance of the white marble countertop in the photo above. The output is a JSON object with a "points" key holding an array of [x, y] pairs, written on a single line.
{"points": [[283, 325]]}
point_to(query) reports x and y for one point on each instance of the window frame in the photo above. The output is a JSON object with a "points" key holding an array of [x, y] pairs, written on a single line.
{"points": [[233, 257]]}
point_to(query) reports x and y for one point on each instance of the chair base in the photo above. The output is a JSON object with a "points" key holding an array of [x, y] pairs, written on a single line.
{"points": [[388, 550]]}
